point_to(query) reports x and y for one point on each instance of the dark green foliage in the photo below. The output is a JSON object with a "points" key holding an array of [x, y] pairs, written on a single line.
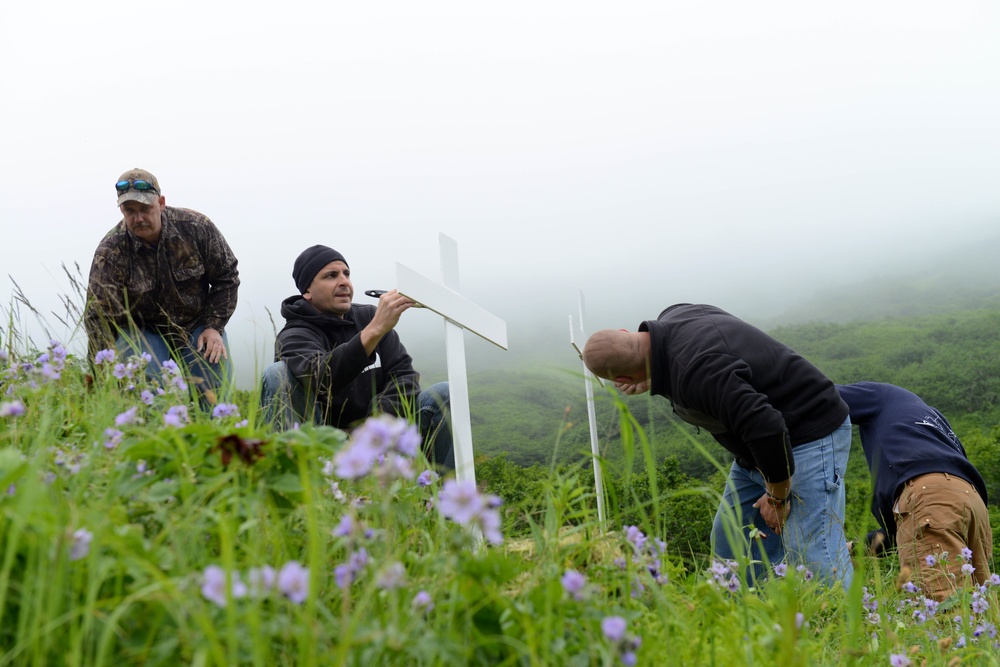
{"points": [[537, 418], [952, 361]]}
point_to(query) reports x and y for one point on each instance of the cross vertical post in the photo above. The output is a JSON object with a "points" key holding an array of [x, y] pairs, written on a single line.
{"points": [[459, 314], [458, 378], [591, 416]]}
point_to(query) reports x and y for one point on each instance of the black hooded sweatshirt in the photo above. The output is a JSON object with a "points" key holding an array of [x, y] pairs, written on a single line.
{"points": [[325, 354], [755, 395]]}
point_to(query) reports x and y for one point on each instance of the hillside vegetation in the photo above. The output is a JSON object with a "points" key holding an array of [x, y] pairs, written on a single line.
{"points": [[534, 419]]}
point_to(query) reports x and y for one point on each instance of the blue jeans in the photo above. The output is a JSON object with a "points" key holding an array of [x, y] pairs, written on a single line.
{"points": [[284, 401], [205, 375], [814, 534]]}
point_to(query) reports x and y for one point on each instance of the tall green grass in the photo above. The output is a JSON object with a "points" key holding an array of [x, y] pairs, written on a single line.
{"points": [[215, 541]]}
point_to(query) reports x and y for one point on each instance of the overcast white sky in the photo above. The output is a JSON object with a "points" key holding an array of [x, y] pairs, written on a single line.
{"points": [[644, 152]]}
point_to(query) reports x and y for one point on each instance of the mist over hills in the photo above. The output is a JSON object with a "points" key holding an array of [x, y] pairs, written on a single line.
{"points": [[932, 282], [966, 279]]}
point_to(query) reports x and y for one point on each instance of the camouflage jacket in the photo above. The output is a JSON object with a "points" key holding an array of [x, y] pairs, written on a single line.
{"points": [[189, 279]]}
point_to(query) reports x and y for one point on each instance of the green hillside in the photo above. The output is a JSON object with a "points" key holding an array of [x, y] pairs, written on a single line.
{"points": [[952, 360]]}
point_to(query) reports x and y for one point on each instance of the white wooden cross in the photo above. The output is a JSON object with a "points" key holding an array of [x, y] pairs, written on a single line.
{"points": [[591, 415], [459, 314]]}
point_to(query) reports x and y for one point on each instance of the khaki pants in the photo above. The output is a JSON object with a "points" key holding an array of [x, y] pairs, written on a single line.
{"points": [[937, 513]]}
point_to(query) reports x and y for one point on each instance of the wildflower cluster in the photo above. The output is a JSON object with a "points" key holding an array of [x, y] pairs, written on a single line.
{"points": [[13, 408], [648, 553], [614, 630], [724, 575], [228, 411], [970, 625], [385, 445], [68, 459], [575, 585], [80, 545], [354, 534], [292, 581], [46, 367], [461, 502]]}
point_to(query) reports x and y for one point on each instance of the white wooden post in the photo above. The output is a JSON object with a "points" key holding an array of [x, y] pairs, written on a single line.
{"points": [[595, 451], [459, 314]]}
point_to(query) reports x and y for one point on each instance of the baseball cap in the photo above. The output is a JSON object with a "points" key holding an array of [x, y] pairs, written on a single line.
{"points": [[144, 194]]}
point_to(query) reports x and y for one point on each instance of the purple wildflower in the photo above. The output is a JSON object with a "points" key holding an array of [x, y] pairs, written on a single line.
{"points": [[426, 478], [613, 628], [422, 602], [636, 537], [130, 416], [355, 460], [800, 619], [489, 523], [347, 525], [804, 571], [11, 409], [120, 371], [734, 583], [899, 660], [146, 397], [460, 501], [968, 569], [213, 585], [780, 569], [931, 562], [994, 580], [868, 601], [81, 544], [104, 356], [293, 581], [177, 415], [113, 438], [911, 587], [931, 606], [225, 410], [965, 553], [979, 603], [346, 573], [394, 466], [574, 583]]}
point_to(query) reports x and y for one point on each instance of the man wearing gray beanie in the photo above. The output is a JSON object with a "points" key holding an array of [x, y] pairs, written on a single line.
{"points": [[338, 362]]}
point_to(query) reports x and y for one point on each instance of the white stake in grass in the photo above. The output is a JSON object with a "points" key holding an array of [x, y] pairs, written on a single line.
{"points": [[588, 378], [459, 314]]}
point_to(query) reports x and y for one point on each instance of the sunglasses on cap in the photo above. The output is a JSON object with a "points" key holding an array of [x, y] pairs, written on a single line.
{"points": [[141, 186]]}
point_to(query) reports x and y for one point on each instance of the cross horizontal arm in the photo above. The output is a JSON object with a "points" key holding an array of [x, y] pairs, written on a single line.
{"points": [[451, 305]]}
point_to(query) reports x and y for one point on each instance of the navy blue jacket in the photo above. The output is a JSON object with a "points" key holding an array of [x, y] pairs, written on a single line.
{"points": [[903, 438], [755, 395]]}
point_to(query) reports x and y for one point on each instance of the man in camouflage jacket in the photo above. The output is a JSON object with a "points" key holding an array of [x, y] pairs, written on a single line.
{"points": [[163, 281]]}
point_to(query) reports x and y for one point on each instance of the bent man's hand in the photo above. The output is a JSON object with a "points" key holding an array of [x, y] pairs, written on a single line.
{"points": [[633, 388], [211, 346], [775, 517]]}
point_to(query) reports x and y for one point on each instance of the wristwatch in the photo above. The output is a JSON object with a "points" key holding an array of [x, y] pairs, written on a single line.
{"points": [[777, 502]]}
